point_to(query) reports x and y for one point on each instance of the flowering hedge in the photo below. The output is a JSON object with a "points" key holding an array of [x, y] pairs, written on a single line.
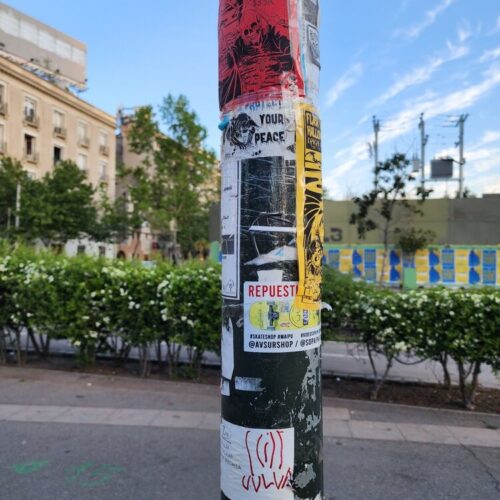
{"points": [[111, 307], [438, 324]]}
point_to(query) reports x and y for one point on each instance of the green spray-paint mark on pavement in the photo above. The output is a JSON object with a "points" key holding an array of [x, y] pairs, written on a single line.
{"points": [[29, 467], [93, 475]]}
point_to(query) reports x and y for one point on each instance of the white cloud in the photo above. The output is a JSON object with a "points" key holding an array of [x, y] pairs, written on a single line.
{"points": [[404, 121], [348, 159], [347, 80], [490, 55], [430, 18], [421, 74], [491, 136], [495, 28], [464, 32]]}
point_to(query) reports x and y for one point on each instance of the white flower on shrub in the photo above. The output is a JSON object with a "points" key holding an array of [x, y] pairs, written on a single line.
{"points": [[400, 346]]}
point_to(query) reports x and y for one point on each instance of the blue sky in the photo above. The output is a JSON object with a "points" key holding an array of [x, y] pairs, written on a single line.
{"points": [[390, 58]]}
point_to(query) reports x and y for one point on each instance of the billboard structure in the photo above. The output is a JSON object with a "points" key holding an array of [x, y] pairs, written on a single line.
{"points": [[42, 48], [442, 168]]}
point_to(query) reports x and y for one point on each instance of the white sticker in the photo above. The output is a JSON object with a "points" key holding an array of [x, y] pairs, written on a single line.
{"points": [[230, 229], [225, 389], [227, 349], [272, 322], [260, 129], [256, 463]]}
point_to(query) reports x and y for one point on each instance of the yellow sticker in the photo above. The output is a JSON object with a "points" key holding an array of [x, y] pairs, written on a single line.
{"points": [[310, 231]]}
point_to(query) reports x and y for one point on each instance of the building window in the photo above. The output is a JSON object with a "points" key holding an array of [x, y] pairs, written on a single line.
{"points": [[103, 143], [3, 99], [30, 148], [58, 122], [83, 134], [58, 154], [80, 249], [30, 115], [102, 251], [103, 171], [81, 161]]}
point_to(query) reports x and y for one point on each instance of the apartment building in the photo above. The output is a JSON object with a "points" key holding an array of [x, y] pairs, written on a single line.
{"points": [[42, 124]]}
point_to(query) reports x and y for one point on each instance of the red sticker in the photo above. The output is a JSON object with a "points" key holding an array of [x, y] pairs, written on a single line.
{"points": [[258, 51]]}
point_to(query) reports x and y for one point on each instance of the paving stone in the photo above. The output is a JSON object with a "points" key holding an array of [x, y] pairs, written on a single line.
{"points": [[375, 430], [336, 428], [38, 413], [8, 411], [82, 415], [336, 413], [470, 436], [182, 419], [210, 422], [423, 433], [131, 417]]}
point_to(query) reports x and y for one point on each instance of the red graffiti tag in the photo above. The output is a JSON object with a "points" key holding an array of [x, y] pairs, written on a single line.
{"points": [[267, 454]]}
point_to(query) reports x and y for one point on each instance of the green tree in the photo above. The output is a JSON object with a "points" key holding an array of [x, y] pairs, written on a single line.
{"points": [[59, 207], [376, 209], [11, 174], [114, 223], [171, 187]]}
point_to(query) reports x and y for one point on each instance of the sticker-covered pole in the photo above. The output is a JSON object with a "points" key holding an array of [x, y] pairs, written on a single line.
{"points": [[271, 245]]}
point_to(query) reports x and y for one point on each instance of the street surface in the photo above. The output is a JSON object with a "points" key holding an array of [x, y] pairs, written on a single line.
{"points": [[69, 435]]}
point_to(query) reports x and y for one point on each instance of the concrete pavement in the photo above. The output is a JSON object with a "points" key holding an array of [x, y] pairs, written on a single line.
{"points": [[72, 435]]}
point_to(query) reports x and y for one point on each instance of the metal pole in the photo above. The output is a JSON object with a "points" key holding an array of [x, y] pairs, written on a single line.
{"points": [[461, 160], [423, 142], [376, 129], [271, 245], [18, 205]]}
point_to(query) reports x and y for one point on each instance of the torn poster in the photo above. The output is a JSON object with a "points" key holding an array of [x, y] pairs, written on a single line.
{"points": [[310, 231]]}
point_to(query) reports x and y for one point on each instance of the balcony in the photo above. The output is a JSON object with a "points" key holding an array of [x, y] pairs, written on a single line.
{"points": [[31, 120], [30, 157], [3, 109], [104, 150], [84, 142], [3, 147], [60, 132]]}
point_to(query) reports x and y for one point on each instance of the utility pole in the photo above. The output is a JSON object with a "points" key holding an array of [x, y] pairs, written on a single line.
{"points": [[18, 205], [461, 162], [376, 130], [271, 246], [424, 138]]}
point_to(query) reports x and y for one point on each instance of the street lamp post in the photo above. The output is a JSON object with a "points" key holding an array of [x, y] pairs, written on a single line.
{"points": [[271, 246]]}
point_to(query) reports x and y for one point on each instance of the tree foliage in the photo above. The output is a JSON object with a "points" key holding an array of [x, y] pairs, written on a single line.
{"points": [[172, 183], [59, 207], [377, 208]]}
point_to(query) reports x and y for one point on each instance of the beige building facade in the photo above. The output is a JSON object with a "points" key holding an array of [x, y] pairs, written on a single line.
{"points": [[41, 124]]}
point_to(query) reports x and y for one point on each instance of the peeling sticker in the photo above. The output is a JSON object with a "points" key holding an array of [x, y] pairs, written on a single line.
{"points": [[227, 348], [224, 387], [249, 384], [305, 477], [256, 463]]}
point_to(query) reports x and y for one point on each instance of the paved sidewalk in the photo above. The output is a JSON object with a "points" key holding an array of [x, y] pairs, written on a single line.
{"points": [[337, 423], [70, 435]]}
